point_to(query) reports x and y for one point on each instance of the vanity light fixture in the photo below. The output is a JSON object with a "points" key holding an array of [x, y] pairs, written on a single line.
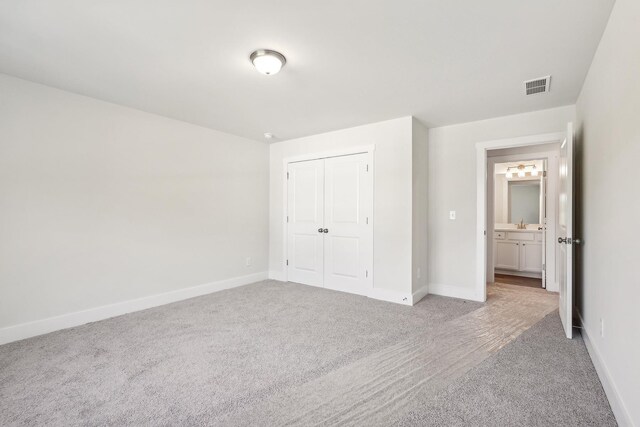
{"points": [[521, 170], [267, 61]]}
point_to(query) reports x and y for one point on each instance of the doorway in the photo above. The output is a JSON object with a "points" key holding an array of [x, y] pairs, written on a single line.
{"points": [[521, 214], [330, 222], [524, 148], [564, 221]]}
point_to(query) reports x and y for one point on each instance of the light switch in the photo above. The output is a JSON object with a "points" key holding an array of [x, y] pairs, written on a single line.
{"points": [[452, 214]]}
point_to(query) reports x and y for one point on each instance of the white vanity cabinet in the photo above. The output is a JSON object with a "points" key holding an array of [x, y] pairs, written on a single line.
{"points": [[518, 251], [507, 255], [531, 257]]}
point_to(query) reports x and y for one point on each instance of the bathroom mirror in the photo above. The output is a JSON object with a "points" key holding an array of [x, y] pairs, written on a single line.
{"points": [[524, 202]]}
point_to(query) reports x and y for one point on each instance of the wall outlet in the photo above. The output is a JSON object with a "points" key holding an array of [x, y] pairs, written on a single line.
{"points": [[601, 328], [248, 262], [452, 215]]}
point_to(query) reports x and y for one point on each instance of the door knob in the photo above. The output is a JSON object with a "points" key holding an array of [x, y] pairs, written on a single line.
{"points": [[326, 230], [320, 230]]}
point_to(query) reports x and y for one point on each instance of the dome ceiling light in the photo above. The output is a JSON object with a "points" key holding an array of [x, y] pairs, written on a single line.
{"points": [[267, 61]]}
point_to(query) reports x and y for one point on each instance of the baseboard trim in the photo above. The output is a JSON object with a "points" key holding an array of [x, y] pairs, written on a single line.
{"points": [[518, 273], [615, 400], [454, 292], [69, 320], [276, 275], [375, 293], [419, 294], [390, 296]]}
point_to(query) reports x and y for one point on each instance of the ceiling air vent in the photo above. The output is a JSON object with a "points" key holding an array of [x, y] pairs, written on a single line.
{"points": [[539, 85]]}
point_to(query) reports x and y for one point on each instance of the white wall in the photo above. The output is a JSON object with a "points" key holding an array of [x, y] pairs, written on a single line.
{"points": [[501, 196], [608, 152], [452, 186], [100, 204], [392, 196], [420, 141]]}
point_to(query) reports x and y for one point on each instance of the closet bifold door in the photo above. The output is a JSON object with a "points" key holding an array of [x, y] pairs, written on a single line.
{"points": [[305, 211], [348, 237]]}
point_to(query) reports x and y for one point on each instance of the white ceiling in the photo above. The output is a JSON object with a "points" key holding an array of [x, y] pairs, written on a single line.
{"points": [[349, 62]]}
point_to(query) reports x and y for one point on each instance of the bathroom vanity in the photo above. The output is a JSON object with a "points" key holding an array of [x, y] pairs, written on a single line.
{"points": [[518, 252]]}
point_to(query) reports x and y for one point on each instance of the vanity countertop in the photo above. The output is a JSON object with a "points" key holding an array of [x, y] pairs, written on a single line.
{"points": [[515, 230]]}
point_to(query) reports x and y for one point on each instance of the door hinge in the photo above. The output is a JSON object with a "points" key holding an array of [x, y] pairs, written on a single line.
{"points": [[287, 175], [367, 168], [366, 273], [367, 220], [544, 267], [287, 262], [287, 218]]}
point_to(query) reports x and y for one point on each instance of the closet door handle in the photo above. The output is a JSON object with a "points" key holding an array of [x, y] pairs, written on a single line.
{"points": [[326, 230], [320, 230]]}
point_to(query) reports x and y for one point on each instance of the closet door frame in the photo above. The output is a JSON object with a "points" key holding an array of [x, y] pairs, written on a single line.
{"points": [[365, 149]]}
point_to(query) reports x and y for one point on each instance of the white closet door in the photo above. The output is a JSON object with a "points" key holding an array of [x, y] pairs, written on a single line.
{"points": [[348, 237], [305, 216]]}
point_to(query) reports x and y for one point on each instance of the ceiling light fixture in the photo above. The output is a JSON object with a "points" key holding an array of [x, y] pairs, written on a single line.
{"points": [[267, 61]]}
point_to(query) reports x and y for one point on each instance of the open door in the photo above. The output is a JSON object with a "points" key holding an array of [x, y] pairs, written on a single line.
{"points": [[565, 232], [543, 220]]}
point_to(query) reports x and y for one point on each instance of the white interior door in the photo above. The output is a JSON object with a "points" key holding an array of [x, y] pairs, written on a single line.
{"points": [[305, 216], [348, 237], [565, 232], [543, 220]]}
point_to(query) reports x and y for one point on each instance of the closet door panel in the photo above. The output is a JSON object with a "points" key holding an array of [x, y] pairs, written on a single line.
{"points": [[348, 242], [305, 211]]}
